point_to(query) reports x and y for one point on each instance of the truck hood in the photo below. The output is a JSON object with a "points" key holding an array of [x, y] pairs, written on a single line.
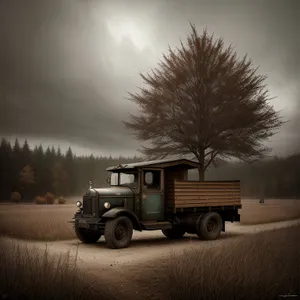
{"points": [[118, 191]]}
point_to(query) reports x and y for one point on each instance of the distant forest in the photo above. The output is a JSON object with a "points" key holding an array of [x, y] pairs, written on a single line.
{"points": [[34, 172]]}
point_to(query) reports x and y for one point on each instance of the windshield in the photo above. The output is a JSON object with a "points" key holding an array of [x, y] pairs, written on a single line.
{"points": [[125, 179]]}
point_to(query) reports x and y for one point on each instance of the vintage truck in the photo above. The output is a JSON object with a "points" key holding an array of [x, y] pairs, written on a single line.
{"points": [[156, 195]]}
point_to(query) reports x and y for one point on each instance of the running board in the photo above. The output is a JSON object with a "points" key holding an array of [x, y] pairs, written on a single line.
{"points": [[156, 225]]}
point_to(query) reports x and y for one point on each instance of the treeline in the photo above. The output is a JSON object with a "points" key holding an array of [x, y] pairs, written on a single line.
{"points": [[276, 177], [34, 172]]}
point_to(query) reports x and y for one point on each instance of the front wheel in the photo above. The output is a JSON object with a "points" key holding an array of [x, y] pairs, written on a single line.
{"points": [[87, 236], [118, 232]]}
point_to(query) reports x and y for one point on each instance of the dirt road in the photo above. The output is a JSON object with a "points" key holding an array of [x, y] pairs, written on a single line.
{"points": [[145, 246], [110, 265]]}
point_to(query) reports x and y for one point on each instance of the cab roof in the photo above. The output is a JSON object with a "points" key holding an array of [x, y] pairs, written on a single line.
{"points": [[163, 163]]}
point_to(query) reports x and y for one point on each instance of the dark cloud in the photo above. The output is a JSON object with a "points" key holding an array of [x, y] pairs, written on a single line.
{"points": [[66, 66]]}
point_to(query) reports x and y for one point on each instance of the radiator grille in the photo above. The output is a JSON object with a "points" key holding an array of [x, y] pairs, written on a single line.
{"points": [[87, 205]]}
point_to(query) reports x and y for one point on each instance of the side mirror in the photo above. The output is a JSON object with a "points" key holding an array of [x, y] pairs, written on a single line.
{"points": [[108, 180]]}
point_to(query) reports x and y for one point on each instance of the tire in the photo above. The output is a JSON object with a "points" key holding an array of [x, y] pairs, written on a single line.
{"points": [[87, 236], [209, 226], [118, 232], [174, 233]]}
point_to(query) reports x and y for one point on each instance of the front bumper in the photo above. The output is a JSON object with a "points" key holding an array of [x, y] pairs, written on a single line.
{"points": [[88, 223]]}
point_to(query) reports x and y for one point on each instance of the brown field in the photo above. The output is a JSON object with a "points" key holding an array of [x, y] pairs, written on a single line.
{"points": [[243, 263], [251, 266], [253, 212], [257, 266], [37, 222], [49, 222], [27, 273]]}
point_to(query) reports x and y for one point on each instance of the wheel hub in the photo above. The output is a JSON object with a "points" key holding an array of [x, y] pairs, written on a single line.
{"points": [[211, 226], [120, 232]]}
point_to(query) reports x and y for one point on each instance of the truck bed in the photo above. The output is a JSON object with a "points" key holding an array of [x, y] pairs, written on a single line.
{"points": [[185, 194]]}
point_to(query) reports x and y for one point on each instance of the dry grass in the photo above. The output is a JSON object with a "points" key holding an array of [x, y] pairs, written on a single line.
{"points": [[37, 222], [260, 266], [61, 200], [31, 274], [253, 212], [40, 200], [49, 222]]}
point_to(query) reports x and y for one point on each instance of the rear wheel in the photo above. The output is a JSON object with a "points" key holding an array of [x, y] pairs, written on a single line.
{"points": [[174, 233], [209, 226], [118, 232], [87, 236]]}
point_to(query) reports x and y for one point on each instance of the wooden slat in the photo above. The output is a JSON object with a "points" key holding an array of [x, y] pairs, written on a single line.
{"points": [[216, 183], [198, 186], [201, 203], [207, 199], [207, 189], [181, 192], [195, 198], [205, 196], [206, 182], [217, 191], [204, 185], [207, 192], [194, 193], [187, 194], [190, 205]]}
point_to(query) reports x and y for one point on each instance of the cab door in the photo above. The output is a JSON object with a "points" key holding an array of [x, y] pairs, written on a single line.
{"points": [[152, 198]]}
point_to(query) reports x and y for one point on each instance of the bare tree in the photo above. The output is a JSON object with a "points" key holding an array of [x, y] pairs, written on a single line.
{"points": [[204, 101]]}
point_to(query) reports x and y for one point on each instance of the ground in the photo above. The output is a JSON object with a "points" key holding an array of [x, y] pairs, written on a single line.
{"points": [[124, 269]]}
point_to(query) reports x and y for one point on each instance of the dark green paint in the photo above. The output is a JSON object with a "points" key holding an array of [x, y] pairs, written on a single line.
{"points": [[117, 202], [152, 208], [115, 191]]}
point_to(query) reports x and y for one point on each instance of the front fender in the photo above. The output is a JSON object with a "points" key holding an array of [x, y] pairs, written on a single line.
{"points": [[118, 211]]}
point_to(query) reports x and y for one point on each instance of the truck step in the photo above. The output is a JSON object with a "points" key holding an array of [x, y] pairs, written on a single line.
{"points": [[150, 225]]}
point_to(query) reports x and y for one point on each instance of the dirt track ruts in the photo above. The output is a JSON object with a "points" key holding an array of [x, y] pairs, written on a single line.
{"points": [[145, 246]]}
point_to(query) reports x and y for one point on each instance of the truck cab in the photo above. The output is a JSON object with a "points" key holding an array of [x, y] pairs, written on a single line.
{"points": [[148, 196]]}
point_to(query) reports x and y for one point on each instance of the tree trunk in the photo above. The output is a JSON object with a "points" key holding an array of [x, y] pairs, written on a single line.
{"points": [[201, 170], [201, 174]]}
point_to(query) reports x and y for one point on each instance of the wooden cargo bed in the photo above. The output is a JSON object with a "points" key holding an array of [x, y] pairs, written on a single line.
{"points": [[184, 194]]}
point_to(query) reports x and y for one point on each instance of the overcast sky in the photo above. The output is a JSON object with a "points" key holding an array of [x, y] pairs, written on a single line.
{"points": [[66, 66]]}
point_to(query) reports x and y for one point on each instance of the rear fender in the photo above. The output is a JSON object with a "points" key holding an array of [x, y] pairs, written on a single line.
{"points": [[121, 211]]}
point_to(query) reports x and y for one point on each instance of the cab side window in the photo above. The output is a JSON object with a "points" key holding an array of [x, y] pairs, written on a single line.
{"points": [[152, 179]]}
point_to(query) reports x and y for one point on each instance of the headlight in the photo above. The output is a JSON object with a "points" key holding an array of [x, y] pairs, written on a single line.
{"points": [[107, 205], [78, 204]]}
